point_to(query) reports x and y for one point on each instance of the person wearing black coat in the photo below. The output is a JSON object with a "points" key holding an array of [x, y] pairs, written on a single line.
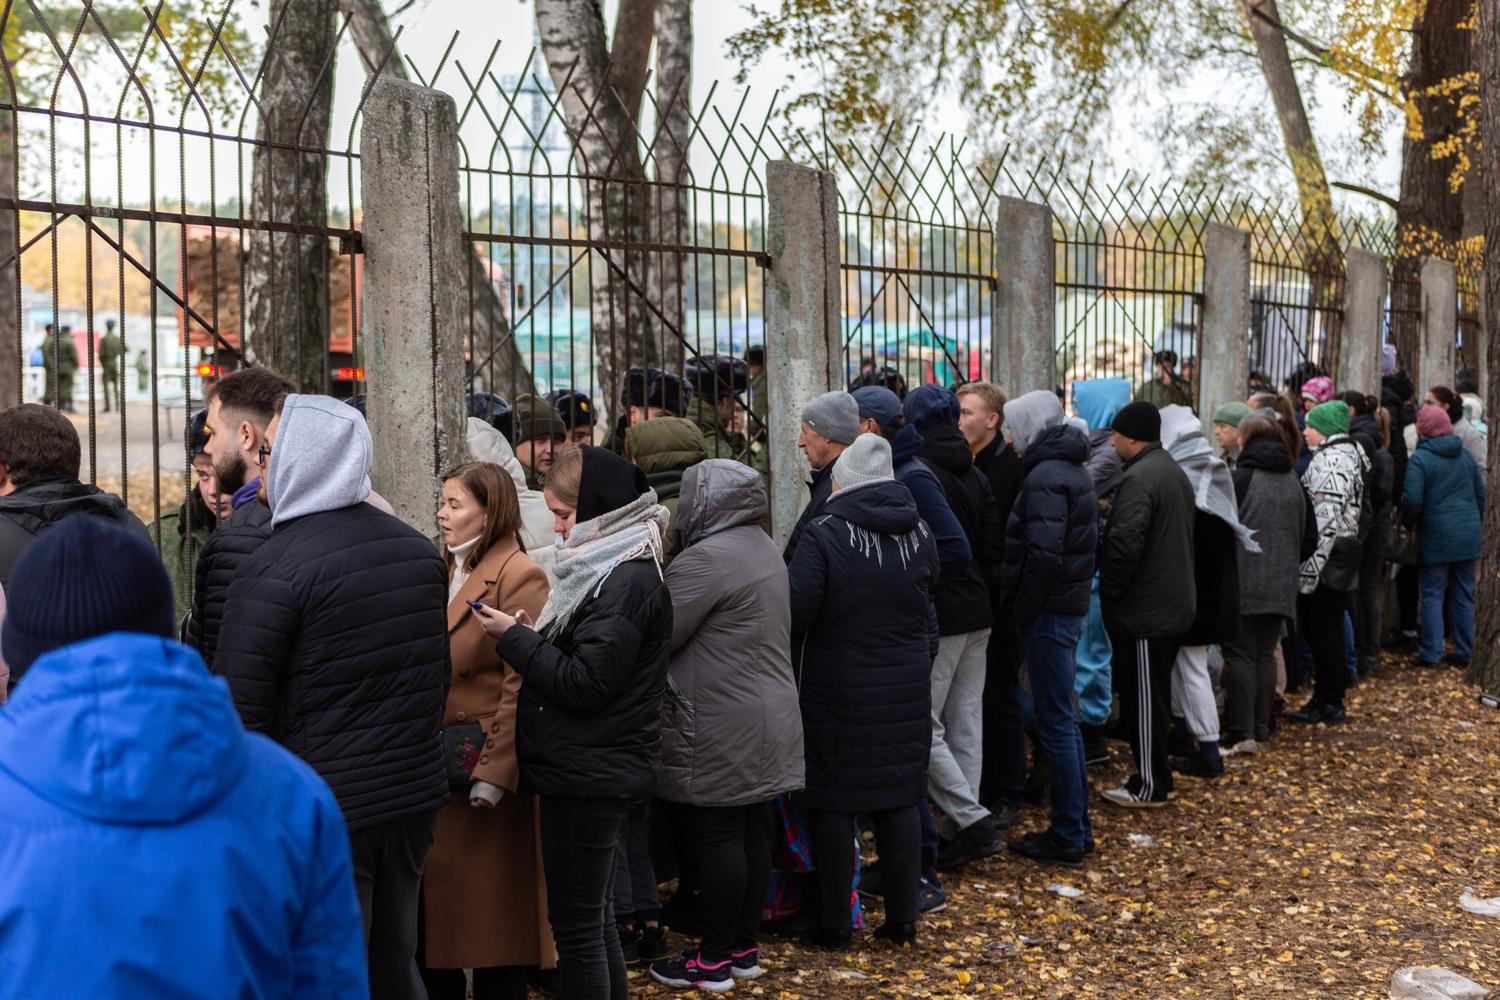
{"points": [[335, 643], [1368, 430], [1045, 583], [1396, 397], [863, 639], [594, 673], [965, 614], [829, 423]]}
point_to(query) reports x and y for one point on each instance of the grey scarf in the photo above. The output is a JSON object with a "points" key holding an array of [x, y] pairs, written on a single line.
{"points": [[594, 548]]}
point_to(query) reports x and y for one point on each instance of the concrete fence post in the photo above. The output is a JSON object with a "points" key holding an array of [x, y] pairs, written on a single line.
{"points": [[413, 323], [1224, 354], [1023, 352], [1437, 360], [804, 338], [1363, 333]]}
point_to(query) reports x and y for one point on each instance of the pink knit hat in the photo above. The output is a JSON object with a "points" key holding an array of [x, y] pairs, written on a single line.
{"points": [[1432, 421], [1319, 389]]}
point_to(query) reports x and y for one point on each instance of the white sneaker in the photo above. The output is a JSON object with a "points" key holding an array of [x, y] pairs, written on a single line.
{"points": [[1127, 799], [1242, 747]]}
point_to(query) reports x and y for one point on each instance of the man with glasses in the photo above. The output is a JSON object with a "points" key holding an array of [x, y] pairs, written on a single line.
{"points": [[241, 407]]}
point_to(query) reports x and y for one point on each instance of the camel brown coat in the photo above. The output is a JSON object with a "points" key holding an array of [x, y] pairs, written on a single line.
{"points": [[484, 895]]}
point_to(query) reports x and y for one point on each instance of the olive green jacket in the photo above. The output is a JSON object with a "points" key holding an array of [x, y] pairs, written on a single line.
{"points": [[664, 449], [179, 550]]}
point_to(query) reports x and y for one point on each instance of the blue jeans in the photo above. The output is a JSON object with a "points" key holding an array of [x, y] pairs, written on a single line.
{"points": [[1092, 659], [1050, 644], [1351, 651], [1455, 581]]}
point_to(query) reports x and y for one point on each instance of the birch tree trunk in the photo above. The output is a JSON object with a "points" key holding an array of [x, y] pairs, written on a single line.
{"points": [[286, 279], [1320, 249], [1429, 215], [1485, 667], [616, 200], [669, 153], [10, 332], [491, 342]]}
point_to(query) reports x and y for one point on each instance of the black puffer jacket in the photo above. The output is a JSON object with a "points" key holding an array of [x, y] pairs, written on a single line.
{"points": [[963, 593], [1380, 483], [819, 489], [1002, 467], [863, 638], [335, 643], [1052, 534], [38, 505], [1146, 584], [1395, 398], [589, 720], [226, 549]]}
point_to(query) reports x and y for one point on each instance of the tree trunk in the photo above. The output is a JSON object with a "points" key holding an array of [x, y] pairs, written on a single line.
{"points": [[1486, 663], [286, 279], [494, 357], [1319, 237], [616, 203], [10, 331], [1429, 215], [669, 151]]}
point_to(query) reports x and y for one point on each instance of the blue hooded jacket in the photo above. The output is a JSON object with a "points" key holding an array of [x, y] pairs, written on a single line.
{"points": [[152, 848], [1099, 400]]}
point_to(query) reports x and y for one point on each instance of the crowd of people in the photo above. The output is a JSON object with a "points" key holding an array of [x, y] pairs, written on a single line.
{"points": [[290, 741]]}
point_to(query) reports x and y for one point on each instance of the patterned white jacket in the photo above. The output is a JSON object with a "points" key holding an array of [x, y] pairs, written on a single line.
{"points": [[1336, 482]]}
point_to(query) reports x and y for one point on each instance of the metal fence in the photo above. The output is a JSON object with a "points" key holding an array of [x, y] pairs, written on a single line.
{"points": [[162, 198]]}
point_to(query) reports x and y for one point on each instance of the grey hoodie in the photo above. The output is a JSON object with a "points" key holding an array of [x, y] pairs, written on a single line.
{"points": [[1027, 416], [320, 461]]}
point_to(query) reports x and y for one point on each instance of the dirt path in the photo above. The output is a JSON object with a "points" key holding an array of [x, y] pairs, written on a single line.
{"points": [[1314, 869]]}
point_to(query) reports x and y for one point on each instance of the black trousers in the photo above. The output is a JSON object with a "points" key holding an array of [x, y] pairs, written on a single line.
{"points": [[1250, 678], [578, 856], [1143, 679], [1370, 605], [731, 848], [898, 838], [1003, 772], [1321, 618], [388, 860]]}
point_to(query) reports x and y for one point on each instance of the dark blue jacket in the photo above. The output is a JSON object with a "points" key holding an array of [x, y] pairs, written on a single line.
{"points": [[1053, 530], [932, 502], [153, 848], [863, 638], [1444, 498]]}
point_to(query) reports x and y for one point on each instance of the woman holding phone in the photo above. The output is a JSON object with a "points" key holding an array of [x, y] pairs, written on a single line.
{"points": [[482, 868], [594, 672]]}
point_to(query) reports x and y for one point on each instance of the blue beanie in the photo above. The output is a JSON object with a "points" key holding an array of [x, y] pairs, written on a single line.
{"points": [[931, 404], [83, 578]]}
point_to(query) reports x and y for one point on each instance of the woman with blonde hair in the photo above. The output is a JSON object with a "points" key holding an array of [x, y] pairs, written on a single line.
{"points": [[483, 898]]}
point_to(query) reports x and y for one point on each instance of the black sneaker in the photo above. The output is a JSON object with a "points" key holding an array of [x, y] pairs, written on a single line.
{"points": [[630, 945], [1005, 814], [931, 897], [1334, 714], [1454, 660], [870, 882], [1308, 714], [1195, 766], [1095, 745], [971, 844], [652, 944], [746, 964], [1044, 846], [897, 934], [1090, 849], [688, 972], [828, 939]]}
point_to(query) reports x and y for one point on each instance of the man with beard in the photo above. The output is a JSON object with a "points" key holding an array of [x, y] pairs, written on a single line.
{"points": [[240, 408]]}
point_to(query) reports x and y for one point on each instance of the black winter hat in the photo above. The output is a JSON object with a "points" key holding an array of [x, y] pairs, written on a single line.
{"points": [[756, 354], [197, 435], [1139, 421], [575, 408], [537, 418], [717, 376], [654, 387], [83, 578]]}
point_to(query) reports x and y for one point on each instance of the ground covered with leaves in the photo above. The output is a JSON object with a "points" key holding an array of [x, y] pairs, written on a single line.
{"points": [[1314, 869]]}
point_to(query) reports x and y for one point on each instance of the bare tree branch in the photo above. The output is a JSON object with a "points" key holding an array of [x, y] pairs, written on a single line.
{"points": [[1367, 192]]}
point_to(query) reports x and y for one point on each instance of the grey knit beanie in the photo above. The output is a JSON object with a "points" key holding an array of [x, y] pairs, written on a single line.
{"points": [[867, 460], [835, 415]]}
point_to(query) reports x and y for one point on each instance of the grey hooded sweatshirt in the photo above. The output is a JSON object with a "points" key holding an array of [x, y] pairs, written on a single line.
{"points": [[731, 725], [320, 460], [1027, 416]]}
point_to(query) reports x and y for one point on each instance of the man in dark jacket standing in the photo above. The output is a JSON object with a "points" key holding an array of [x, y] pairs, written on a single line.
{"points": [[981, 420], [965, 614], [40, 456], [830, 424], [1045, 583], [1149, 595], [335, 643], [240, 408]]}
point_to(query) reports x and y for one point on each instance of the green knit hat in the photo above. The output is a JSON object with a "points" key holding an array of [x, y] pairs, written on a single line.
{"points": [[1231, 414], [1330, 419]]}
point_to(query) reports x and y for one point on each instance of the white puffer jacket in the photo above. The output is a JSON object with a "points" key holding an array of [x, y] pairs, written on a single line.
{"points": [[486, 444]]}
